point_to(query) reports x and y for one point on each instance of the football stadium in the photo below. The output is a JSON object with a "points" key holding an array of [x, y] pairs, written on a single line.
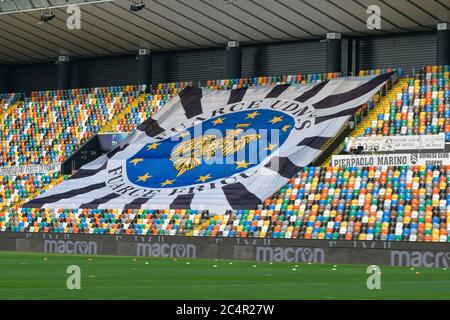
{"points": [[224, 150]]}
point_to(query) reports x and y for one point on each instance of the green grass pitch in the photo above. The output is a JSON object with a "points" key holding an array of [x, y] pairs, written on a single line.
{"points": [[43, 276]]}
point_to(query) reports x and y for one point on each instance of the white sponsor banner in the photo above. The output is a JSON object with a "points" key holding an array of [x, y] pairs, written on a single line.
{"points": [[30, 169], [398, 143], [396, 159]]}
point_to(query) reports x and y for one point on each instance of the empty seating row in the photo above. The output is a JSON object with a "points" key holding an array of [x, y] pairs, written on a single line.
{"points": [[421, 107]]}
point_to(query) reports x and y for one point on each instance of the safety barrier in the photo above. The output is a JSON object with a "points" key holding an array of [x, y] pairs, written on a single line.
{"points": [[434, 255]]}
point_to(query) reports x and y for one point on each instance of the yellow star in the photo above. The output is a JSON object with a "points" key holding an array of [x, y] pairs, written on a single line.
{"points": [[167, 182], [184, 134], [276, 119], [218, 120], [234, 132], [135, 161], [285, 128], [144, 177], [241, 164], [152, 146], [242, 125], [252, 115], [204, 178], [270, 147]]}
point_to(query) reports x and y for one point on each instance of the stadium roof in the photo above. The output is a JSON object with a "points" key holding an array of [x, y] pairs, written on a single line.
{"points": [[110, 28]]}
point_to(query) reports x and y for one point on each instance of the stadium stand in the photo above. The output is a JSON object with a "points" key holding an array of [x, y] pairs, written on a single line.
{"points": [[407, 203], [394, 204], [58, 122]]}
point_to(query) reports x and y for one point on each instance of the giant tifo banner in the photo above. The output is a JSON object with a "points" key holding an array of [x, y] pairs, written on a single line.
{"points": [[217, 150]]}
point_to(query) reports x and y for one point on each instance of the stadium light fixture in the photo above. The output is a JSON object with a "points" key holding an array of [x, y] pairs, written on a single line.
{"points": [[136, 5], [47, 15], [46, 5]]}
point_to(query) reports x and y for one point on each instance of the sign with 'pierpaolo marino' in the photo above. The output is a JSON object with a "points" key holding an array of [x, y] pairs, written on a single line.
{"points": [[395, 159]]}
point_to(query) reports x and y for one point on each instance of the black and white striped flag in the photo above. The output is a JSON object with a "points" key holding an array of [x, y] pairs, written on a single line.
{"points": [[216, 150]]}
